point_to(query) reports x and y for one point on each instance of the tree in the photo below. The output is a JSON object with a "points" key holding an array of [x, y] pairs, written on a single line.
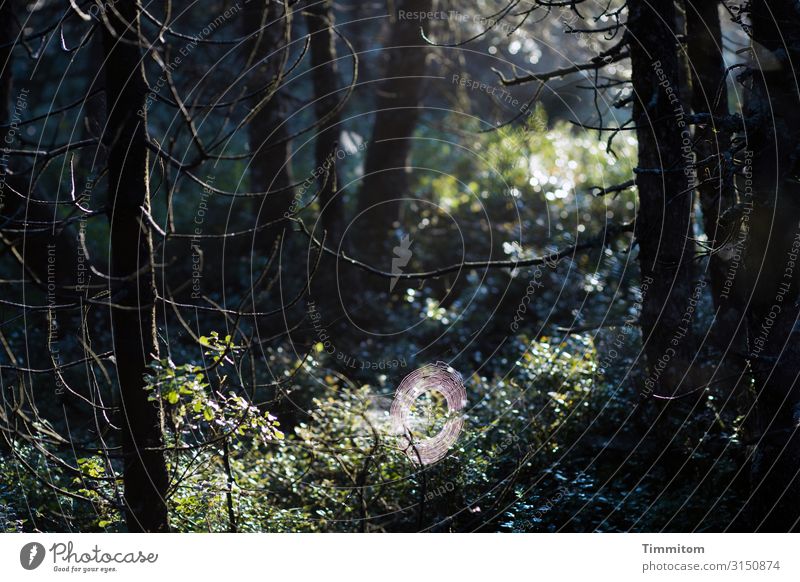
{"points": [[772, 131], [325, 74], [268, 27], [711, 138], [663, 223], [132, 282], [397, 112]]}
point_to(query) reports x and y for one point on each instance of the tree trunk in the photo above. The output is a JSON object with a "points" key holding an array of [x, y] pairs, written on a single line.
{"points": [[270, 167], [710, 96], [772, 118], [663, 225], [324, 72], [133, 289], [396, 115]]}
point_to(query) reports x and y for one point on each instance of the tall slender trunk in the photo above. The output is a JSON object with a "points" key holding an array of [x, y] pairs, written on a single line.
{"points": [[396, 116], [772, 117], [133, 289], [325, 74], [663, 225], [716, 193], [270, 167]]}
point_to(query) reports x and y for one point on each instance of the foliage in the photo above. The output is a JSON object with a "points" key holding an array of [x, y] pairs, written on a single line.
{"points": [[525, 461]]}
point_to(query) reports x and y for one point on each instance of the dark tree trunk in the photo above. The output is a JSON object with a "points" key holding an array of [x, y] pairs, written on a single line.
{"points": [[663, 225], [133, 290], [396, 116], [710, 96], [325, 74], [773, 131], [270, 166]]}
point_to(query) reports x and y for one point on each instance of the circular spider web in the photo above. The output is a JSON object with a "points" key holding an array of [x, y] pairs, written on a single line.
{"points": [[438, 377]]}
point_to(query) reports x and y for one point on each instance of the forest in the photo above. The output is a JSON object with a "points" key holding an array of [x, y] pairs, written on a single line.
{"points": [[399, 266]]}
